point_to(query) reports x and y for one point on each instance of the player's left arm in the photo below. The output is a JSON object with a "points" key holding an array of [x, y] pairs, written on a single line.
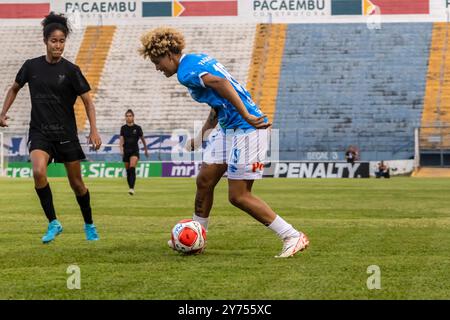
{"points": [[94, 136], [145, 146], [224, 88]]}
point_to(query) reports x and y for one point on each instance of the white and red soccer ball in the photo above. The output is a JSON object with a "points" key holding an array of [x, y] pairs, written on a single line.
{"points": [[188, 236]]}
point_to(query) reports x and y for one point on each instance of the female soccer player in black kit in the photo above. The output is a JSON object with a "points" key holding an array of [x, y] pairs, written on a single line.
{"points": [[54, 85], [130, 133]]}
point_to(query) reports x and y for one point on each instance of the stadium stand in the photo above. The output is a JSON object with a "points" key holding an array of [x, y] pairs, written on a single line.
{"points": [[325, 86], [91, 59], [127, 81], [435, 126], [264, 72], [344, 84], [163, 104]]}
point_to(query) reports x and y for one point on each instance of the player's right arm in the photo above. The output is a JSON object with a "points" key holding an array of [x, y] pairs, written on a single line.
{"points": [[121, 144], [208, 126], [224, 88], [10, 97]]}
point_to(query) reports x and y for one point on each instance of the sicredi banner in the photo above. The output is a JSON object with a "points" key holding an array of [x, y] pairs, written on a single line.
{"points": [[88, 170]]}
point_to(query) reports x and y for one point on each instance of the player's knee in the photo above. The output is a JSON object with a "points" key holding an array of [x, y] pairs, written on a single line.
{"points": [[203, 183], [236, 200], [39, 173]]}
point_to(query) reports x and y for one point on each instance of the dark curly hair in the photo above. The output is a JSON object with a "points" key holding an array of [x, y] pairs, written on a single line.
{"points": [[54, 22]]}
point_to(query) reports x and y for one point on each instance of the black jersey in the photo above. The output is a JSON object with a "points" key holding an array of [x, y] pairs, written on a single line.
{"points": [[53, 89], [131, 135]]}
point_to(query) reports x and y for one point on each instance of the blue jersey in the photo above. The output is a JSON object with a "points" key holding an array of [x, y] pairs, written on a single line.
{"points": [[190, 71]]}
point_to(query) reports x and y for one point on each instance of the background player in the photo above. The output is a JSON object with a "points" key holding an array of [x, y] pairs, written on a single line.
{"points": [[130, 133]]}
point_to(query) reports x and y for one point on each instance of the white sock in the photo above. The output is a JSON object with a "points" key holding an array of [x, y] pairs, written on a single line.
{"points": [[202, 221], [282, 228]]}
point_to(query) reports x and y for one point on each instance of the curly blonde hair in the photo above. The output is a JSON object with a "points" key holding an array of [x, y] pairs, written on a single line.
{"points": [[160, 41]]}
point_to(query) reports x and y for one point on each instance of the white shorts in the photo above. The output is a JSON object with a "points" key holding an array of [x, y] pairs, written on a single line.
{"points": [[245, 153]]}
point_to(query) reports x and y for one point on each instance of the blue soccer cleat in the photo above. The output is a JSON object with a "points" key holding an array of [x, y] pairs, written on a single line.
{"points": [[54, 228], [91, 232]]}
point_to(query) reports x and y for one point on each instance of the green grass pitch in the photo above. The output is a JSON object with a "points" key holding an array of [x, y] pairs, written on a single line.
{"points": [[401, 225]]}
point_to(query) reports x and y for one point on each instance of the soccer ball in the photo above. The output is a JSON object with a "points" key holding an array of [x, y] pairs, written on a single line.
{"points": [[188, 236]]}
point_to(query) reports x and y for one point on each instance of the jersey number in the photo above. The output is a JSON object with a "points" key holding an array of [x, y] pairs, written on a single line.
{"points": [[221, 69]]}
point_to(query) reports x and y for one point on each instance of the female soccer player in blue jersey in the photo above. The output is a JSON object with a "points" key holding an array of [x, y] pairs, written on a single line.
{"points": [[240, 144]]}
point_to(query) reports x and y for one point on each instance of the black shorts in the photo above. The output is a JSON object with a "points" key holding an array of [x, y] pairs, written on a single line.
{"points": [[128, 154], [59, 151]]}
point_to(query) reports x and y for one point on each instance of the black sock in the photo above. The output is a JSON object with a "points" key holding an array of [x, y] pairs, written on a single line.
{"points": [[85, 206], [132, 177], [45, 195], [129, 178]]}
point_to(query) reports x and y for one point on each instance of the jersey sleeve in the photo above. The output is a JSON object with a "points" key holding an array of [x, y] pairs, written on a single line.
{"points": [[22, 75], [79, 82], [140, 133], [192, 76], [122, 133]]}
